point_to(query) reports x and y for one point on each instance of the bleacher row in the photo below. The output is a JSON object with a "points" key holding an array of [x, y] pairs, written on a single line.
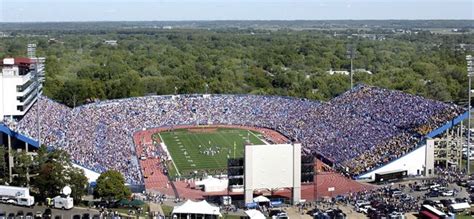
{"points": [[361, 129]]}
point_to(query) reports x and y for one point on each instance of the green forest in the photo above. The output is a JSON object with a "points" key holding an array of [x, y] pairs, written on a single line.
{"points": [[82, 68]]}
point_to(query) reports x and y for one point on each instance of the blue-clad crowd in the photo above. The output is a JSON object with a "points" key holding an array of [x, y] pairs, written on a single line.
{"points": [[361, 129]]}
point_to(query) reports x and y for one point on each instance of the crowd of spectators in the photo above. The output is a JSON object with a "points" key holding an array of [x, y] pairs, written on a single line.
{"points": [[446, 176], [361, 129]]}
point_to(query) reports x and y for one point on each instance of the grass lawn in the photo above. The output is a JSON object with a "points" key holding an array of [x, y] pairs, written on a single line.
{"points": [[193, 150], [124, 210], [167, 210], [463, 216]]}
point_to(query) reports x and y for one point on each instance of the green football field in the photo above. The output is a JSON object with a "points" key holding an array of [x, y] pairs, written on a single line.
{"points": [[193, 150]]}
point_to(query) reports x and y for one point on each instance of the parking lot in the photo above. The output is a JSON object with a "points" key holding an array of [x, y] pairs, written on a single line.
{"points": [[460, 193], [36, 211]]}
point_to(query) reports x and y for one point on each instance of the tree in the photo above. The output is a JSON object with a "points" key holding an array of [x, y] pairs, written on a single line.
{"points": [[3, 165], [111, 186], [50, 180], [56, 171], [76, 179], [23, 163], [40, 158], [231, 61]]}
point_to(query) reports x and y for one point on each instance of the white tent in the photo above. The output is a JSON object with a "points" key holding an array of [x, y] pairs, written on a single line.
{"points": [[261, 198], [254, 214], [202, 207], [458, 207], [211, 184]]}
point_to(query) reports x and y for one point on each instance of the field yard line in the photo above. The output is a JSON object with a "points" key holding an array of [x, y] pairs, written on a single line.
{"points": [[258, 137], [172, 161]]}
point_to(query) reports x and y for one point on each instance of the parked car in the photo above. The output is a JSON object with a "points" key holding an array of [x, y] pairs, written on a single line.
{"points": [[470, 189], [360, 203], [39, 215], [11, 202], [3, 215], [47, 213], [3, 200], [447, 202], [406, 198], [421, 188], [281, 215], [432, 194], [447, 193], [462, 183], [339, 198], [429, 202], [396, 193], [20, 215], [434, 185], [396, 215], [461, 200], [11, 216], [365, 209], [29, 215]]}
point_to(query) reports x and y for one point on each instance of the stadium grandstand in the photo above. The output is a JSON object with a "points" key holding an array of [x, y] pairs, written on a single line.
{"points": [[359, 131]]}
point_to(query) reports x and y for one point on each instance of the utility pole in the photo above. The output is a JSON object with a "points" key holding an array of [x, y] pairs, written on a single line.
{"points": [[470, 73], [352, 74]]}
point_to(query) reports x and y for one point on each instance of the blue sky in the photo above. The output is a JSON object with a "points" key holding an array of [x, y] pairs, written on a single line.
{"points": [[150, 10]]}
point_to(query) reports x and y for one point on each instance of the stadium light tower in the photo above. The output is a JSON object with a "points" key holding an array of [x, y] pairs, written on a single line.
{"points": [[351, 54], [32, 55], [470, 74]]}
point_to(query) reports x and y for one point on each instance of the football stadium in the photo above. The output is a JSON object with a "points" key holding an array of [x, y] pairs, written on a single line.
{"points": [[156, 141]]}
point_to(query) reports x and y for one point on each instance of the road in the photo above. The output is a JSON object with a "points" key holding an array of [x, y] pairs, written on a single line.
{"points": [[57, 213]]}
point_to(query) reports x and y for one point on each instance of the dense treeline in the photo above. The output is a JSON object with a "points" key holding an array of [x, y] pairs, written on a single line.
{"points": [[27, 27], [81, 68]]}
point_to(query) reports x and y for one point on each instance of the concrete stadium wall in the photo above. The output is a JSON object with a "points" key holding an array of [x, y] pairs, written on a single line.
{"points": [[91, 175], [414, 162]]}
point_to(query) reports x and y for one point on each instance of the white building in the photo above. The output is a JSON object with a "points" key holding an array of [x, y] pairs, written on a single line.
{"points": [[19, 85], [332, 72], [343, 72], [111, 42]]}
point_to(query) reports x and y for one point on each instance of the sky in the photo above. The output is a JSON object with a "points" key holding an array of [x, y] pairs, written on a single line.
{"points": [[178, 10]]}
